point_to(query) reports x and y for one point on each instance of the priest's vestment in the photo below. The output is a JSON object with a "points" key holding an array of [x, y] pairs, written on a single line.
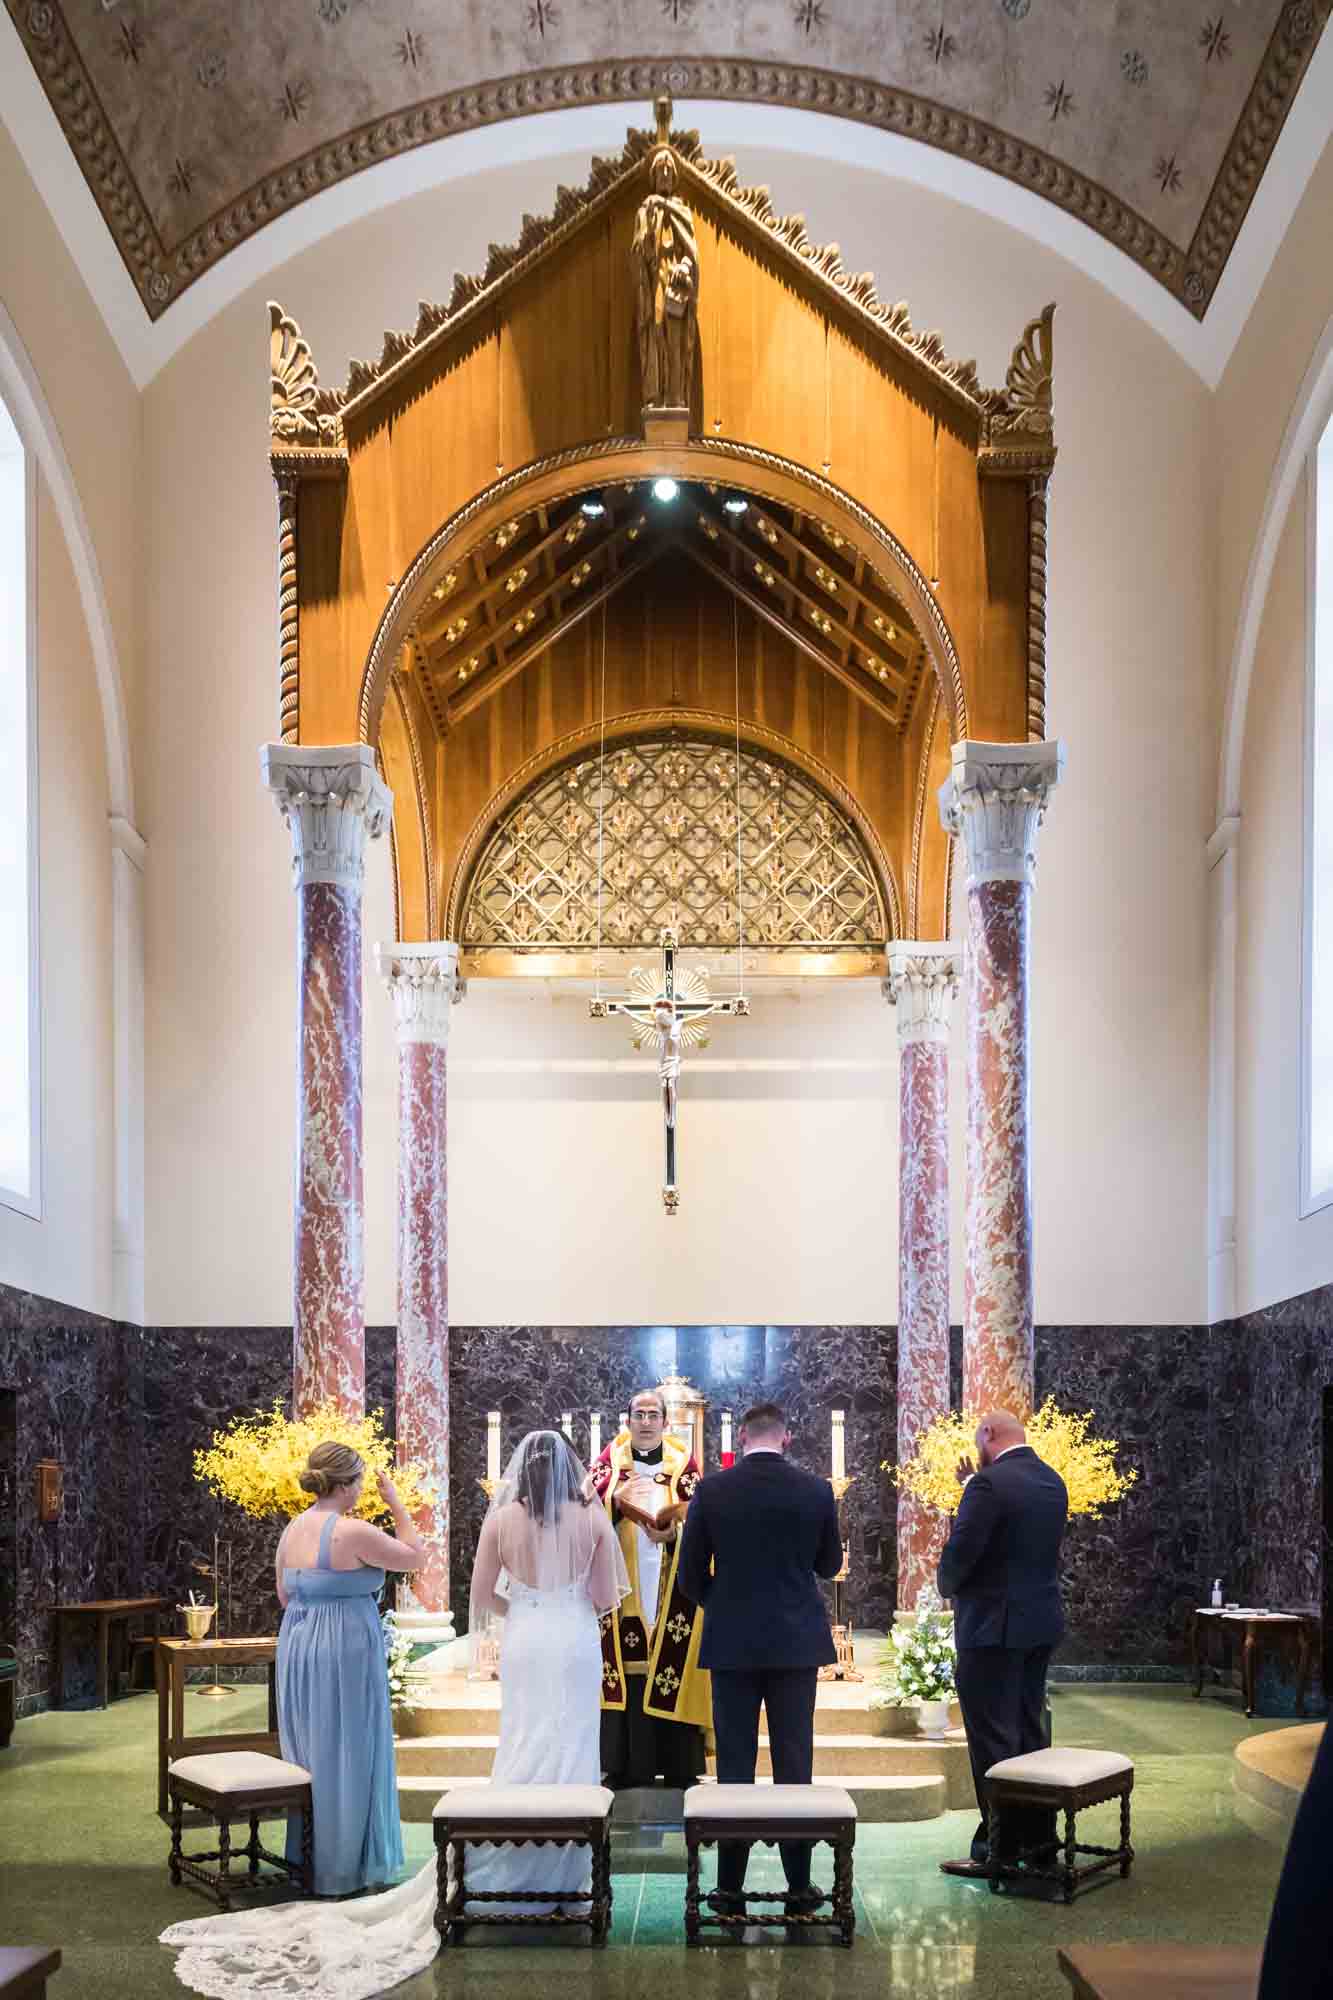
{"points": [[663, 1645]]}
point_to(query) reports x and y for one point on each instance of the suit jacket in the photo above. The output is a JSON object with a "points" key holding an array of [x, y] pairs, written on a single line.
{"points": [[756, 1537], [1001, 1563]]}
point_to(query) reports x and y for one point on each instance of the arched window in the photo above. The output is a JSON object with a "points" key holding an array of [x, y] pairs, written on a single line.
{"points": [[20, 1066], [1317, 941]]}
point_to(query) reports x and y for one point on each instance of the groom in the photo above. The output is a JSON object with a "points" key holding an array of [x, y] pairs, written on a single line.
{"points": [[1001, 1567], [756, 1537]]}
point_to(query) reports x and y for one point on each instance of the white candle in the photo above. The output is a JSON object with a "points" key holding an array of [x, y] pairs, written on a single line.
{"points": [[567, 1424], [840, 1444], [594, 1436], [492, 1444], [726, 1431], [624, 1420]]}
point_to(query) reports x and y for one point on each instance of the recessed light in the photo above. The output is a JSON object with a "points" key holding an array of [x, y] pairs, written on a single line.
{"points": [[593, 505], [665, 489], [735, 503]]}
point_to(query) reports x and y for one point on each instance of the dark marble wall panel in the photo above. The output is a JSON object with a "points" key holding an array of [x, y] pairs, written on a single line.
{"points": [[77, 1381], [196, 1379], [533, 1374]]}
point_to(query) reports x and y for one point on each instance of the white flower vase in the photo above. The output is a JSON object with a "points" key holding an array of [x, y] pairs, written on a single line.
{"points": [[932, 1717]]}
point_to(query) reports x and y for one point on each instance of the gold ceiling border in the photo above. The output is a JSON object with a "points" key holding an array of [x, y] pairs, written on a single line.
{"points": [[582, 465], [624, 728], [162, 272]]}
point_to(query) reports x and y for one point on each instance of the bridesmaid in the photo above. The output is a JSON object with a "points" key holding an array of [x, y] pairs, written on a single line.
{"points": [[333, 1686]]}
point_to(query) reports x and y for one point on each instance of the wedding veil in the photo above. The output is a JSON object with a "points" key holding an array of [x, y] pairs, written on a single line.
{"points": [[545, 1532]]}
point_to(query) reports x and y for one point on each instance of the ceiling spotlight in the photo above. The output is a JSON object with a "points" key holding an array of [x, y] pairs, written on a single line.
{"points": [[665, 489], [735, 503], [593, 505]]}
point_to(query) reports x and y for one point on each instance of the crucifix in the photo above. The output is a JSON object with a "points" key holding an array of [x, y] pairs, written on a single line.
{"points": [[668, 1011]]}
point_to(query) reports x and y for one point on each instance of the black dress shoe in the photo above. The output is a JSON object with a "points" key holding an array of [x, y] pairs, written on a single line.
{"points": [[725, 1903], [971, 1871], [804, 1902]]}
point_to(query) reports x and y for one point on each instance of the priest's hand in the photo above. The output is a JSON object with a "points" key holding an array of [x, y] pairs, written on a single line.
{"points": [[964, 1470]]}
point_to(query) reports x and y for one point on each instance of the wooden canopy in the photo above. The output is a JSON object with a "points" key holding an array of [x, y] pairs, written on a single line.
{"points": [[478, 576]]}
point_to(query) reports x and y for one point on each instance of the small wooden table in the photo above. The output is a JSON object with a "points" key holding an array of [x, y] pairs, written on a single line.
{"points": [[103, 1613], [172, 1660], [1259, 1628], [1170, 1971]]}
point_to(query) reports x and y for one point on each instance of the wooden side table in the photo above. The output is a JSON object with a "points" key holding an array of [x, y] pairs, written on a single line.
{"points": [[102, 1613], [1167, 1971], [172, 1660], [1259, 1631]]}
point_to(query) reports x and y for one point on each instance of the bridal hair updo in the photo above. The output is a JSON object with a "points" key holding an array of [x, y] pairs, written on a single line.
{"points": [[328, 1466]]}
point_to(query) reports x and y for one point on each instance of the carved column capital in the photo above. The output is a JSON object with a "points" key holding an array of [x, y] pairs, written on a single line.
{"points": [[333, 800], [995, 798], [424, 985], [921, 981]]}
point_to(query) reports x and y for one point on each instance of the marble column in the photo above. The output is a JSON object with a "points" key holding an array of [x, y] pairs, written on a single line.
{"points": [[333, 801], [922, 981], [423, 981], [994, 800]]}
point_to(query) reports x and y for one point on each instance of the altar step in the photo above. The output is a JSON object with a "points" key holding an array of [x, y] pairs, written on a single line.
{"points": [[850, 1760], [455, 1707], [879, 1800]]}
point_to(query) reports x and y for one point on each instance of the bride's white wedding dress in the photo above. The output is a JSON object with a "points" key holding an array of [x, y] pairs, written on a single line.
{"points": [[550, 1726]]}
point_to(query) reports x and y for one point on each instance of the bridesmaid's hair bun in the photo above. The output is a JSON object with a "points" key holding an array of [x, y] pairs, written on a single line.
{"points": [[330, 1465]]}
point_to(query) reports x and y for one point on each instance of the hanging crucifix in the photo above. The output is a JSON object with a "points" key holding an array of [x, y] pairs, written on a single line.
{"points": [[668, 1011]]}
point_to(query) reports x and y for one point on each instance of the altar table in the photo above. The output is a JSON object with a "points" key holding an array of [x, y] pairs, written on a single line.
{"points": [[1260, 1628], [102, 1613], [172, 1660]]}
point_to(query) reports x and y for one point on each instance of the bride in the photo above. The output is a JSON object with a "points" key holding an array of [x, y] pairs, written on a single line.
{"points": [[548, 1567]]}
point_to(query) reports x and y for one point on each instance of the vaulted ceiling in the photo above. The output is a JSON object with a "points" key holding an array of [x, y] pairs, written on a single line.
{"points": [[1152, 121]]}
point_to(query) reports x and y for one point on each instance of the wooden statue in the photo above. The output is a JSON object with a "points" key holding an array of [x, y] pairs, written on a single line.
{"points": [[666, 265]]}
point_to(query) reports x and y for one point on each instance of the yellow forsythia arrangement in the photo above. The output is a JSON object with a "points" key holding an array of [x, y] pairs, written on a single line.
{"points": [[257, 1461], [1086, 1464]]}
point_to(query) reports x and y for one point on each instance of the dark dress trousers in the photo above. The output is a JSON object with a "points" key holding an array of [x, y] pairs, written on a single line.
{"points": [[756, 1538], [1298, 1956], [1001, 1568]]}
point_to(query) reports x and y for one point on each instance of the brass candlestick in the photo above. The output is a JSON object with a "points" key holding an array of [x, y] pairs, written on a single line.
{"points": [[844, 1668], [217, 1690]]}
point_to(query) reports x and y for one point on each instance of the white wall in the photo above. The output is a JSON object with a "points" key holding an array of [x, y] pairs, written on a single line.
{"points": [[789, 1173]]}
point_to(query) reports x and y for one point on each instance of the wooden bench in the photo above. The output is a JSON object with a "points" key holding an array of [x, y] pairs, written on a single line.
{"points": [[521, 1816], [1068, 1781], [1160, 1971], [229, 1785], [24, 1971], [771, 1813]]}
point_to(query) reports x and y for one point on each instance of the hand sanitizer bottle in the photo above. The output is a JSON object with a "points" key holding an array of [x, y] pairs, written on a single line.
{"points": [[1217, 1594]]}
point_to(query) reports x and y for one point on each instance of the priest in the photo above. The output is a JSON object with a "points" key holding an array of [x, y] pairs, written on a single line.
{"points": [[656, 1703]]}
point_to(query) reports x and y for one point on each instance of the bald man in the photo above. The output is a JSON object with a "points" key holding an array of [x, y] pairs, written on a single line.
{"points": [[1001, 1567]]}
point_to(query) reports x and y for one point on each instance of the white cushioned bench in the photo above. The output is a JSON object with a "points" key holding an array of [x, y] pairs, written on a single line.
{"points": [[1067, 1781], [230, 1785], [520, 1816], [820, 1814]]}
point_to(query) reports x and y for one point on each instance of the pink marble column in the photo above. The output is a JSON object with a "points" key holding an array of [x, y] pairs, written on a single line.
{"points": [[994, 800], [423, 980], [922, 981], [333, 801]]}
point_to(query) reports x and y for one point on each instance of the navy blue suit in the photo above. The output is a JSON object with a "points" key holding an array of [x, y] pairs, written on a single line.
{"points": [[1001, 1567], [756, 1538]]}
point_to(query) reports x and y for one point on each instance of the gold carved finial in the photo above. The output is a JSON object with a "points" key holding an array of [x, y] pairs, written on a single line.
{"points": [[1030, 382], [298, 412], [662, 112]]}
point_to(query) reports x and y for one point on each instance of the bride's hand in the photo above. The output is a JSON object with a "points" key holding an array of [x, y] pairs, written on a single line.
{"points": [[587, 1491], [388, 1492]]}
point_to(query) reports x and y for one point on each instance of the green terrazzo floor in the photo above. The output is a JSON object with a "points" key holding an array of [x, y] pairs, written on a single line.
{"points": [[83, 1866]]}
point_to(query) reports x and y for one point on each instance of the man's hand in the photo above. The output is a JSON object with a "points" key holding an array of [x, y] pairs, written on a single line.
{"points": [[667, 1534], [964, 1470]]}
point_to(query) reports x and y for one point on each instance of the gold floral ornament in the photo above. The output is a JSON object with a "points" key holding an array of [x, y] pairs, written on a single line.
{"points": [[1061, 1437], [256, 1462]]}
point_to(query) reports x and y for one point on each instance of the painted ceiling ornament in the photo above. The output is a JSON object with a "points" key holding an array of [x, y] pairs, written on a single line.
{"points": [[665, 259]]}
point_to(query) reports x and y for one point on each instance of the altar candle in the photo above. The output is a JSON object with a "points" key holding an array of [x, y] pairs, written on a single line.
{"points": [[492, 1444], [839, 1444], [624, 1420], [594, 1435], [567, 1424], [727, 1451]]}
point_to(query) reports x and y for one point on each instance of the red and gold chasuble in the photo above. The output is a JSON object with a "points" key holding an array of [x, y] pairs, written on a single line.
{"points": [[679, 1689]]}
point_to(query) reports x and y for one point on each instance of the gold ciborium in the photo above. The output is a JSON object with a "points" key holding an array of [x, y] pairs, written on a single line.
{"points": [[198, 1618]]}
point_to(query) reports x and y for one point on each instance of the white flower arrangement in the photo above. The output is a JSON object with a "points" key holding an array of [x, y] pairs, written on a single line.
{"points": [[406, 1681], [918, 1659]]}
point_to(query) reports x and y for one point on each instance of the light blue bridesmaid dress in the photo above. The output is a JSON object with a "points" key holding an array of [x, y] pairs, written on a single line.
{"points": [[333, 1720]]}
